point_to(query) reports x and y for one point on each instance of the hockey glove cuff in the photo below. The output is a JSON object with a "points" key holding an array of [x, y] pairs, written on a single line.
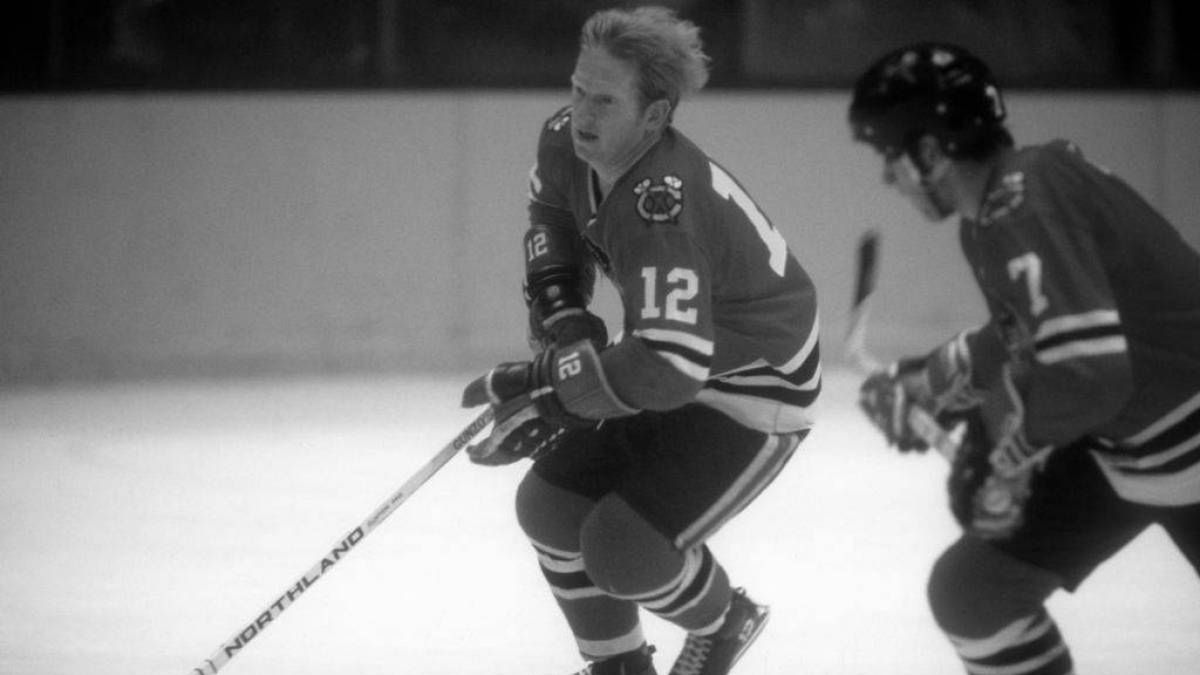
{"points": [[946, 383]]}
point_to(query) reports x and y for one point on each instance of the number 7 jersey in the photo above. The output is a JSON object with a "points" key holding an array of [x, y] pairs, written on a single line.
{"points": [[717, 310], [1099, 299]]}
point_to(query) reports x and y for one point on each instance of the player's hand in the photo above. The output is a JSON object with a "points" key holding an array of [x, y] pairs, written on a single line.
{"points": [[886, 397], [986, 502], [995, 470], [517, 432], [946, 381], [529, 418]]}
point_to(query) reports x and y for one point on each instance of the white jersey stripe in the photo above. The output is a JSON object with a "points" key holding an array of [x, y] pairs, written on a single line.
{"points": [[1158, 458], [763, 414], [1115, 344], [1165, 422], [766, 464], [810, 343], [681, 338], [773, 381], [686, 366], [1174, 489], [1074, 322]]}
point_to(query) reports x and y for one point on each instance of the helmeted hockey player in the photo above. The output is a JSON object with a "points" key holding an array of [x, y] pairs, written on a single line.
{"points": [[1081, 393], [645, 447]]}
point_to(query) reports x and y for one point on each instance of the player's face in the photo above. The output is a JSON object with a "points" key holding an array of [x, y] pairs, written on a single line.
{"points": [[609, 123], [924, 193]]}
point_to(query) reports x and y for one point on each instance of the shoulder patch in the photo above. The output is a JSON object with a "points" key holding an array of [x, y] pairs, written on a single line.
{"points": [[559, 120], [659, 202], [1005, 199]]}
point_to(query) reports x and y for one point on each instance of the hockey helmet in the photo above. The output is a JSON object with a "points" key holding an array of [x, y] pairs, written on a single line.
{"points": [[928, 88]]}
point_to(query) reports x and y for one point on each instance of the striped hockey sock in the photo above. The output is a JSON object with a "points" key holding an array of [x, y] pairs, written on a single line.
{"points": [[603, 626], [1027, 646], [696, 598]]}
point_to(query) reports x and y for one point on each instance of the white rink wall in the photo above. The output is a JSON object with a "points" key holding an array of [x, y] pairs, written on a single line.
{"points": [[178, 234]]}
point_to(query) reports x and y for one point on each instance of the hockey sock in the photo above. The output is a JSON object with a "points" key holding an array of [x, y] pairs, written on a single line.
{"points": [[1027, 646], [696, 598], [603, 625]]}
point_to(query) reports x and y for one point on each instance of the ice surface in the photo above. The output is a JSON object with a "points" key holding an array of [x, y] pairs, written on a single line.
{"points": [[145, 524]]}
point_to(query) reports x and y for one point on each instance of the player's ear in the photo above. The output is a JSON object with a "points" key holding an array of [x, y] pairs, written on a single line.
{"points": [[658, 114], [929, 153]]}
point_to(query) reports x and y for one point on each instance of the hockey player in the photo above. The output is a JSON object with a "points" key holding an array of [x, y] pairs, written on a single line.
{"points": [[1081, 393], [645, 447]]}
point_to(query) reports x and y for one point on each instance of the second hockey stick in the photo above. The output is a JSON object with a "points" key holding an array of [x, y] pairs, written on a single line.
{"points": [[866, 271], [234, 645]]}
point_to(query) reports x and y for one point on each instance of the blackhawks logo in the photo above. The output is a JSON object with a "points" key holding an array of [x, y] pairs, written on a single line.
{"points": [[1005, 199], [659, 202]]}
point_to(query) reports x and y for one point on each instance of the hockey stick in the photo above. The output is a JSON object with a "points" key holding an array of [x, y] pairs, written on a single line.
{"points": [[866, 271], [240, 639]]}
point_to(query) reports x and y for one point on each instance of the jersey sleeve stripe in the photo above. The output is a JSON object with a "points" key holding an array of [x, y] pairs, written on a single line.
{"points": [[1076, 322], [687, 367], [685, 340], [1081, 334], [1096, 346], [687, 353], [1092, 333]]}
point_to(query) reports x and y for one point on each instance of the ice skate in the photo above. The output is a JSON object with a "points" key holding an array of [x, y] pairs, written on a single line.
{"points": [[715, 654]]}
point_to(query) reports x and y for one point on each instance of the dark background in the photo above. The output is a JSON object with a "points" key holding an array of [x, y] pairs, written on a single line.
{"points": [[157, 45]]}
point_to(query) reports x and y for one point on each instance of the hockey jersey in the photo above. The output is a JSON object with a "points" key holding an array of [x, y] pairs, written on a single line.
{"points": [[1097, 298], [717, 310]]}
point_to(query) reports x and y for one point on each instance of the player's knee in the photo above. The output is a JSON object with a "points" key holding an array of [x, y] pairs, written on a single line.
{"points": [[975, 589], [550, 515], [623, 553]]}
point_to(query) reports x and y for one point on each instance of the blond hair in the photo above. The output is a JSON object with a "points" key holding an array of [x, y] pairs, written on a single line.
{"points": [[666, 51]]}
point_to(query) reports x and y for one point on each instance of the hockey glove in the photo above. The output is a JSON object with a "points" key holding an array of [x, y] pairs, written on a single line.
{"points": [[886, 398], [529, 417], [993, 473]]}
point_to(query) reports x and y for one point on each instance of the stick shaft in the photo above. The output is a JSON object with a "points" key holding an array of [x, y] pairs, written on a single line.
{"points": [[855, 348], [233, 646]]}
